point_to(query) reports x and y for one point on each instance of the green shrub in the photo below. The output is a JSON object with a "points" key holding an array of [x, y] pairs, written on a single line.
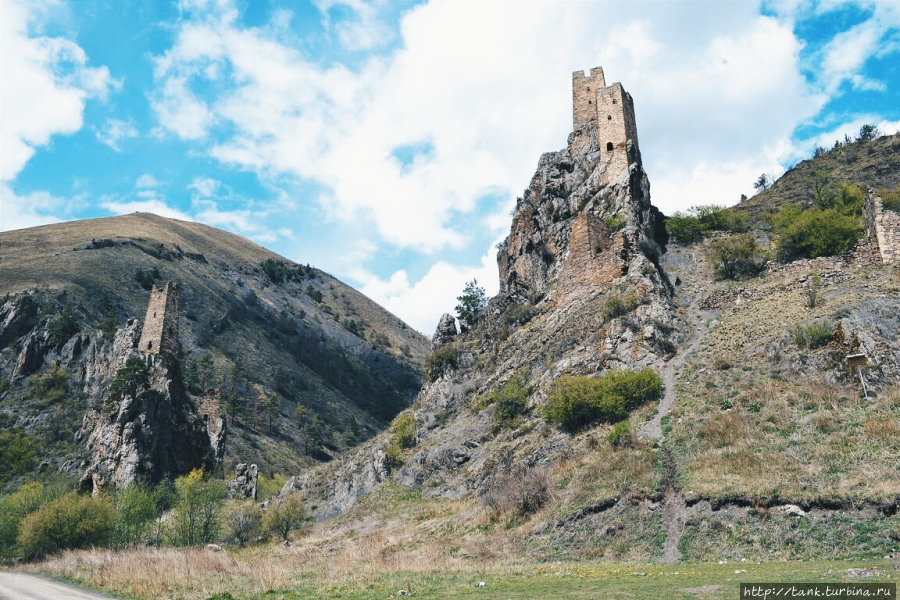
{"points": [[196, 515], [829, 228], [736, 256], [615, 222], [63, 328], [17, 452], [575, 402], [266, 487], [136, 508], [50, 387], [146, 279], [440, 362], [131, 378], [616, 305], [510, 402], [403, 430], [71, 521], [699, 221], [13, 509], [393, 457], [313, 293], [242, 520], [684, 228], [278, 271], [283, 517], [813, 336], [890, 200], [620, 435], [815, 232]]}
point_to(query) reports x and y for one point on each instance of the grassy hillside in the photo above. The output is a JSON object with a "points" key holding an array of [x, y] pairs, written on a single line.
{"points": [[874, 163]]}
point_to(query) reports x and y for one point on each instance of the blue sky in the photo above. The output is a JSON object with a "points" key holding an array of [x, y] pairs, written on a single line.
{"points": [[384, 141]]}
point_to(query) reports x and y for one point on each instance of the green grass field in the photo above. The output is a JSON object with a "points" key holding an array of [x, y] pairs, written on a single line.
{"points": [[707, 581]]}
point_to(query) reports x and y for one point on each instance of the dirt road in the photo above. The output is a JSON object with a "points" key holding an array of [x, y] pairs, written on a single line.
{"points": [[25, 586]]}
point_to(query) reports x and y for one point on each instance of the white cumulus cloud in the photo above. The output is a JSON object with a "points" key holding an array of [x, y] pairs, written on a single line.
{"points": [[46, 83]]}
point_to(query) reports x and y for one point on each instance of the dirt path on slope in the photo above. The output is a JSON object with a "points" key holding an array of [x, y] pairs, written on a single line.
{"points": [[674, 511], [652, 430]]}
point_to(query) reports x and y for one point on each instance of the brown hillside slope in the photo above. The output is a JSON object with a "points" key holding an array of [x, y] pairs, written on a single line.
{"points": [[868, 164], [299, 362]]}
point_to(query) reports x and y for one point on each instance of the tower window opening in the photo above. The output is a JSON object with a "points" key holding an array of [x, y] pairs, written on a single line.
{"points": [[609, 147], [614, 100], [609, 117], [154, 314], [589, 102], [149, 345]]}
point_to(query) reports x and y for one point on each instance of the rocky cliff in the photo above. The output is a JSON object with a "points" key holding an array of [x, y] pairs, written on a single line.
{"points": [[582, 292], [151, 432]]}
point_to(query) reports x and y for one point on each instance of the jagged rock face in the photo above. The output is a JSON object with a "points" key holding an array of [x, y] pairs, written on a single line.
{"points": [[156, 432], [561, 226], [445, 332], [244, 483], [152, 434]]}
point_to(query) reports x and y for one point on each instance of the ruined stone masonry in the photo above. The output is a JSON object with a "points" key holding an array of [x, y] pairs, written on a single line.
{"points": [[884, 227], [560, 242], [160, 332], [609, 112]]}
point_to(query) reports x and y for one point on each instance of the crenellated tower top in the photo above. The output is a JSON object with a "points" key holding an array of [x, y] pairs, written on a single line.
{"points": [[608, 111]]}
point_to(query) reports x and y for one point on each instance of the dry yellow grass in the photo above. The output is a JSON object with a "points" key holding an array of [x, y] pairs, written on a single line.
{"points": [[416, 536]]}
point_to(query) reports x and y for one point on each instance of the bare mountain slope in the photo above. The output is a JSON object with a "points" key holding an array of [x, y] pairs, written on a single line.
{"points": [[302, 364]]}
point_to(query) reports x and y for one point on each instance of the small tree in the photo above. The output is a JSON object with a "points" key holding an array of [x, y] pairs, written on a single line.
{"points": [[71, 521], [200, 500], [136, 508], [129, 379], [762, 183], [736, 255], [471, 302], [284, 517], [867, 133], [243, 520], [403, 430]]}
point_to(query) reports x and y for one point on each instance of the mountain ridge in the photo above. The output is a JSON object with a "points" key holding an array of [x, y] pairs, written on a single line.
{"points": [[252, 323]]}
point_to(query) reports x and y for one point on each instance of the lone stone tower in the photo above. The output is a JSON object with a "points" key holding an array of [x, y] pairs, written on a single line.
{"points": [[608, 112], [160, 332]]}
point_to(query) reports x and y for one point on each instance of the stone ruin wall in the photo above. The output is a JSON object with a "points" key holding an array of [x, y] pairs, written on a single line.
{"points": [[594, 260], [160, 332], [881, 246], [884, 227]]}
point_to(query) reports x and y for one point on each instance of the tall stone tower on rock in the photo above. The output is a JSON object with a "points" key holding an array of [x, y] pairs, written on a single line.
{"points": [[160, 332], [608, 113], [585, 219]]}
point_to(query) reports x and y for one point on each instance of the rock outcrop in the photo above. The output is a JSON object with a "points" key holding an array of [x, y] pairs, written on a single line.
{"points": [[581, 292], [244, 483], [445, 332], [155, 432]]}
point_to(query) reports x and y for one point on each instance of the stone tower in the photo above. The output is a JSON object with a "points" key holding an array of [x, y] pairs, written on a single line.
{"points": [[160, 332], [608, 113]]}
